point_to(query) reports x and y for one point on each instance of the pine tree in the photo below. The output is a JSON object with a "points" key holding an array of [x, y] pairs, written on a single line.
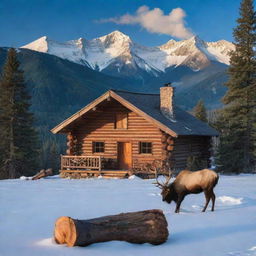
{"points": [[54, 157], [18, 139], [199, 111], [237, 121]]}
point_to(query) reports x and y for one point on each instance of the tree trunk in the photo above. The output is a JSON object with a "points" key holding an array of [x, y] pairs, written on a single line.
{"points": [[136, 227], [42, 173]]}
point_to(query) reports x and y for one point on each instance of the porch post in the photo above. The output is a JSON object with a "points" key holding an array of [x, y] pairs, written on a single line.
{"points": [[61, 162], [99, 163]]}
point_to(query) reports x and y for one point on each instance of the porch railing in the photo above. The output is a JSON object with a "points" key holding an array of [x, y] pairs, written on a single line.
{"points": [[80, 162]]}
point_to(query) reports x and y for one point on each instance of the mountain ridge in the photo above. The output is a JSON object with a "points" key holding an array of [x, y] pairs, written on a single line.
{"points": [[120, 52]]}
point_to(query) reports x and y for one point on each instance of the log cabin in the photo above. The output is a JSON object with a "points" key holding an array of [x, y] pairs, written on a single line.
{"points": [[120, 131]]}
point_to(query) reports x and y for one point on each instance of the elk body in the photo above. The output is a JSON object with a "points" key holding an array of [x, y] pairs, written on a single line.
{"points": [[188, 182]]}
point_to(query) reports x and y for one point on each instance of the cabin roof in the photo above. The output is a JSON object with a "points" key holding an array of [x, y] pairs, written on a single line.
{"points": [[148, 106]]}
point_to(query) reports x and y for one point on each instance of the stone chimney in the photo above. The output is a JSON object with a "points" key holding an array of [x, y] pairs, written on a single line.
{"points": [[167, 101]]}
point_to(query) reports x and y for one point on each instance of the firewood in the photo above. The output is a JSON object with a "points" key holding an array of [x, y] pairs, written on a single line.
{"points": [[42, 173], [135, 227]]}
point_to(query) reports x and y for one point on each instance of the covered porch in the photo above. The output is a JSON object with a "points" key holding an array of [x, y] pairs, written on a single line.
{"points": [[88, 166]]}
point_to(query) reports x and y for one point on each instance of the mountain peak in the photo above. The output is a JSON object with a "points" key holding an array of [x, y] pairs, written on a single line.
{"points": [[40, 44], [115, 36], [43, 38], [195, 37], [118, 33], [80, 39], [170, 43], [196, 40]]}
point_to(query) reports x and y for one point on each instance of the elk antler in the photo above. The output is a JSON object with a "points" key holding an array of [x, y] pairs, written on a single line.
{"points": [[158, 184], [167, 180], [161, 185]]}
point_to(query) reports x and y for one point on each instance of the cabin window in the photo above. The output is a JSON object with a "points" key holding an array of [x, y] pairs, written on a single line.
{"points": [[98, 147], [145, 147], [121, 121]]}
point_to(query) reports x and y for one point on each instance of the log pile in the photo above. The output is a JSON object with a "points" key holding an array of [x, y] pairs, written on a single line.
{"points": [[136, 227]]}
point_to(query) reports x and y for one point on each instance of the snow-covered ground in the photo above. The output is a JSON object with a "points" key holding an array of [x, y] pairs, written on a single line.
{"points": [[28, 210]]}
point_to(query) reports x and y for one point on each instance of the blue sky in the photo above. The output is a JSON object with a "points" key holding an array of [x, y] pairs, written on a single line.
{"points": [[22, 21]]}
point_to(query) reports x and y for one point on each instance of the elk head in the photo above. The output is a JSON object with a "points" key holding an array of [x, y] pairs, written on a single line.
{"points": [[168, 191]]}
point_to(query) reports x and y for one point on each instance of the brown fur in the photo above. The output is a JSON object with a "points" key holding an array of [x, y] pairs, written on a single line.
{"points": [[188, 182]]}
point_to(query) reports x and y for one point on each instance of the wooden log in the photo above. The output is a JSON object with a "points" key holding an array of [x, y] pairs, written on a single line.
{"points": [[42, 173], [164, 137], [164, 154], [169, 154], [170, 140], [170, 147], [164, 146], [135, 227]]}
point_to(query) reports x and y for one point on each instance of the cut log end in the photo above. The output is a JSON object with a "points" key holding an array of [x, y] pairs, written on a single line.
{"points": [[65, 231], [136, 227]]}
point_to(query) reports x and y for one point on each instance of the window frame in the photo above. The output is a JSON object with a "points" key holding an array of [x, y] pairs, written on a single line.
{"points": [[145, 148], [94, 147]]}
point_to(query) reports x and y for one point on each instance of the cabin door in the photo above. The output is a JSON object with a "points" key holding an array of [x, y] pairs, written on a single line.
{"points": [[124, 155]]}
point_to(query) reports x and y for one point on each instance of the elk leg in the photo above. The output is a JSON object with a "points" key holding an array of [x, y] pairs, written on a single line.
{"points": [[213, 201], [179, 201], [207, 197]]}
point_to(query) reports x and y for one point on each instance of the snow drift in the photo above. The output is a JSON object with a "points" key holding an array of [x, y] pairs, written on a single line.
{"points": [[29, 210]]}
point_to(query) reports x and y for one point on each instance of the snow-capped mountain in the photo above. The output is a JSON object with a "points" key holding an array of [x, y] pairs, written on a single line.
{"points": [[117, 53]]}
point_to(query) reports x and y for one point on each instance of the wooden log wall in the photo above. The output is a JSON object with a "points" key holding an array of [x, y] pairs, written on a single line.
{"points": [[167, 147], [185, 146], [99, 125]]}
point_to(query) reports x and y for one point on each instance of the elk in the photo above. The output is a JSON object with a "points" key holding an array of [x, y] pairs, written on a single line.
{"points": [[188, 182]]}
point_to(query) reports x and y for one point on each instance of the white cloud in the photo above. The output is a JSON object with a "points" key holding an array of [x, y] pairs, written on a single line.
{"points": [[155, 21]]}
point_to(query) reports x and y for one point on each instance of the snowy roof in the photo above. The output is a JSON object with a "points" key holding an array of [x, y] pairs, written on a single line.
{"points": [[148, 106]]}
